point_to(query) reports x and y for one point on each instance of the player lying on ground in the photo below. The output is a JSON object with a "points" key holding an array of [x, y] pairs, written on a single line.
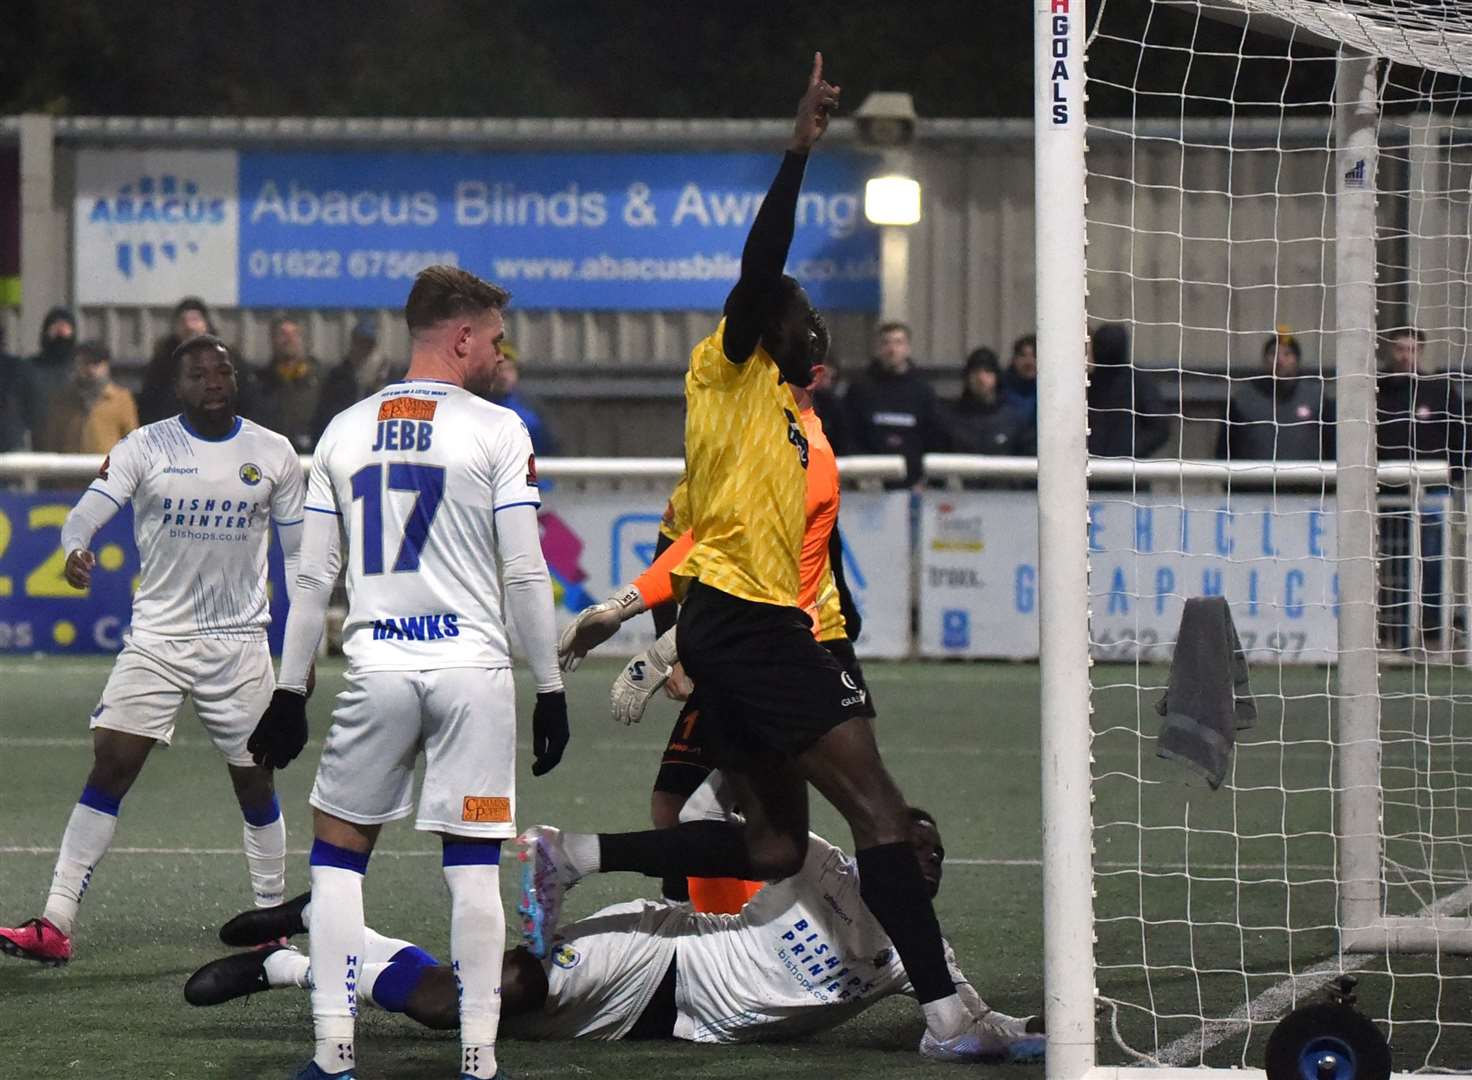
{"points": [[779, 706], [803, 956], [206, 486], [435, 491], [823, 596]]}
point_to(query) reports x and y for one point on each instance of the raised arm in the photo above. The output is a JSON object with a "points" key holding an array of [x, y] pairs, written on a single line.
{"points": [[771, 233]]}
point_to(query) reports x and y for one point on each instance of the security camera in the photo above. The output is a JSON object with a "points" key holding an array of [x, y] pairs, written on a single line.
{"points": [[887, 119]]}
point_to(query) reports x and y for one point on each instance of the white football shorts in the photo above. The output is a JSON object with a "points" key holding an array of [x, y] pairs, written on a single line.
{"points": [[465, 721], [230, 682]]}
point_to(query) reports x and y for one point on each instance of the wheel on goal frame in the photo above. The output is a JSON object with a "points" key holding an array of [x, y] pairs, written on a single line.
{"points": [[1328, 1041]]}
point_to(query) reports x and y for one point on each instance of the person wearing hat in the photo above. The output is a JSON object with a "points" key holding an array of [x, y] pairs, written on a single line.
{"points": [[156, 400], [982, 420], [90, 413], [51, 368], [1127, 416], [1281, 412], [362, 371]]}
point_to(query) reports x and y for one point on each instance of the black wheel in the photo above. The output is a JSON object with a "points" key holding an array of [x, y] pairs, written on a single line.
{"points": [[1327, 1042]]}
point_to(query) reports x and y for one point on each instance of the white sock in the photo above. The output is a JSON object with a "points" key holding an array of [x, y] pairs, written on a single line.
{"points": [[88, 836], [378, 949], [336, 954], [287, 967], [477, 937], [265, 856], [583, 852], [946, 1017]]}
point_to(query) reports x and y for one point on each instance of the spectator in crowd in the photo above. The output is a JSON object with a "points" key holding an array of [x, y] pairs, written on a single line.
{"points": [[892, 409], [90, 413], [1127, 418], [288, 389], [1420, 416], [1020, 385], [17, 400], [51, 368], [156, 399], [828, 404], [363, 371], [507, 393], [982, 420], [1281, 414]]}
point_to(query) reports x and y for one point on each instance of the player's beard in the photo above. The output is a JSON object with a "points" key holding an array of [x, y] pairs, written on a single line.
{"points": [[481, 383], [218, 413]]}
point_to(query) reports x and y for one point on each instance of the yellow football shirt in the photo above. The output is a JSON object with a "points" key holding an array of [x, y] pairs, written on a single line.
{"points": [[745, 476], [676, 520]]}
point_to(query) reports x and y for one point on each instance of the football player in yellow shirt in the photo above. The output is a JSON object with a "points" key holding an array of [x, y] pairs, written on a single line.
{"points": [[779, 711]]}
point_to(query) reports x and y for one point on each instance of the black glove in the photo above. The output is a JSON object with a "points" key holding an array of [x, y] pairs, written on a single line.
{"points": [[549, 731], [281, 732]]}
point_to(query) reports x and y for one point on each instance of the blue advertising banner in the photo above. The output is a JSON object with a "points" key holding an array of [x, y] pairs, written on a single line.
{"points": [[587, 231], [40, 612], [594, 542]]}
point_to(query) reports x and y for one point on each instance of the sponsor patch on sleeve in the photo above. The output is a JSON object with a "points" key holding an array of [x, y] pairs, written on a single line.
{"points": [[102, 472], [407, 408], [487, 809], [531, 470]]}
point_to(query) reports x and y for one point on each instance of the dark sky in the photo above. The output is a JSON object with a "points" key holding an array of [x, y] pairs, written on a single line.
{"points": [[623, 58]]}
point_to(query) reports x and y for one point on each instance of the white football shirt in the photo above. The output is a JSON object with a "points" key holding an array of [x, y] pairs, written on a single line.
{"points": [[415, 474], [202, 514], [803, 955]]}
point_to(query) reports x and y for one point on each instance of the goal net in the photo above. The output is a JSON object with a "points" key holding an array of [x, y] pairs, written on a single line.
{"points": [[1279, 224]]}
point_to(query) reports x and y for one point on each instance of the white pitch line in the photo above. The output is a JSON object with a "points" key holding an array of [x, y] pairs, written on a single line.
{"points": [[60, 742], [1274, 1001], [204, 851], [1031, 863]]}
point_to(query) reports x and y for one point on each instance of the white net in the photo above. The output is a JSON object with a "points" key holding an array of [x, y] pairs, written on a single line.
{"points": [[1214, 180]]}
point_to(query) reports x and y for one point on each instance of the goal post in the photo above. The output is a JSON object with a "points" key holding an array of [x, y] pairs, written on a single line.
{"points": [[1356, 115], [1062, 529], [1256, 181]]}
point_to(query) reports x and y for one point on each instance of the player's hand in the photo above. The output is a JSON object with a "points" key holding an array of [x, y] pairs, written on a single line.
{"points": [[596, 624], [549, 731], [79, 566], [640, 678], [282, 731], [679, 686], [633, 688], [818, 102]]}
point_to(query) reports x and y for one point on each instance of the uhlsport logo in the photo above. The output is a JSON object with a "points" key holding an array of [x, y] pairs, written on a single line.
{"points": [[167, 205], [250, 473]]}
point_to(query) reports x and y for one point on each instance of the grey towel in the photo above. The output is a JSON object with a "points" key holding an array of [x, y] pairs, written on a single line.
{"points": [[1208, 700]]}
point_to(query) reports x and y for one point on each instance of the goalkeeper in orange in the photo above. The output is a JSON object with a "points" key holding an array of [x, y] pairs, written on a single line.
{"points": [[823, 595]]}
